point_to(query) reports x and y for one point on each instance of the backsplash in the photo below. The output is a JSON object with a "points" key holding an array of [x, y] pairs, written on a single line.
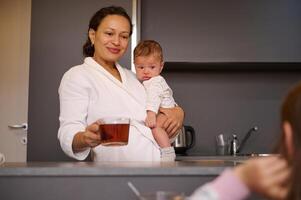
{"points": [[231, 103]]}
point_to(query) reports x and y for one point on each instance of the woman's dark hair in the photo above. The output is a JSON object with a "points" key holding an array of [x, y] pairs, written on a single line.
{"points": [[88, 48], [291, 113]]}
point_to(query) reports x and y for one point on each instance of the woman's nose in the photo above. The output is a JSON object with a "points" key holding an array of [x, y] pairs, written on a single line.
{"points": [[116, 40]]}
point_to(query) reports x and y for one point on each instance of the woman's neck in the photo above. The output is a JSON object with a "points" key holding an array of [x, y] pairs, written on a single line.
{"points": [[109, 67]]}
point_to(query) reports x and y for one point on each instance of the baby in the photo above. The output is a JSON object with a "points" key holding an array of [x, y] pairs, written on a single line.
{"points": [[148, 60]]}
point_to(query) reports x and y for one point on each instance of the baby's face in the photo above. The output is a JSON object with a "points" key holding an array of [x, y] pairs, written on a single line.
{"points": [[148, 67]]}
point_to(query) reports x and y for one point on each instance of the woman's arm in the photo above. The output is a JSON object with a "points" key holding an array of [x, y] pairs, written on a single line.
{"points": [[174, 121], [74, 131]]}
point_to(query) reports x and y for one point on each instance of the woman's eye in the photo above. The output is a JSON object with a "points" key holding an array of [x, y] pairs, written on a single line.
{"points": [[125, 37], [109, 33]]}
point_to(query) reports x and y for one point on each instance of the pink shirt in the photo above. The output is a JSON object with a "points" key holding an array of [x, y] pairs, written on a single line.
{"points": [[227, 186]]}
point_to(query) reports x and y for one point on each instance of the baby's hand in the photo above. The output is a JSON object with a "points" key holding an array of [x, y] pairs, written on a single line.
{"points": [[150, 120]]}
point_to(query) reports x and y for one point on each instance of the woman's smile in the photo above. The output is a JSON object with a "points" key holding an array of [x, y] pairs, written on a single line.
{"points": [[114, 50]]}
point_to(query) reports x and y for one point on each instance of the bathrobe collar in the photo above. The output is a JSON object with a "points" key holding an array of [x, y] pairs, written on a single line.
{"points": [[92, 64]]}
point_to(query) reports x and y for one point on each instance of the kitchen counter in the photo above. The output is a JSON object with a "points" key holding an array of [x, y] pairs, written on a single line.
{"points": [[105, 180], [184, 165], [210, 167]]}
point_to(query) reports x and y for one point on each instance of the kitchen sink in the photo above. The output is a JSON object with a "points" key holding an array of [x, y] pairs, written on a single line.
{"points": [[218, 159], [256, 154], [212, 163]]}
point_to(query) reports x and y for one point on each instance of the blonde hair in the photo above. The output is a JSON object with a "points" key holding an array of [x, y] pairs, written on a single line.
{"points": [[148, 47]]}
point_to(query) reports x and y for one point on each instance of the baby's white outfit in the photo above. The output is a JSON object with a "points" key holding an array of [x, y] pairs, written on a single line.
{"points": [[159, 94]]}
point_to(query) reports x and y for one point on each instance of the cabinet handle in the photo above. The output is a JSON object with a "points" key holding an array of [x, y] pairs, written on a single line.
{"points": [[23, 126]]}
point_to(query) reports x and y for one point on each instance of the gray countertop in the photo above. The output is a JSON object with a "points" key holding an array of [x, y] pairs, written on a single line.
{"points": [[184, 166], [108, 180]]}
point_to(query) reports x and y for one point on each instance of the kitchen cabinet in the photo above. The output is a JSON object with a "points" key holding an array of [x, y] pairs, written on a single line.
{"points": [[224, 31]]}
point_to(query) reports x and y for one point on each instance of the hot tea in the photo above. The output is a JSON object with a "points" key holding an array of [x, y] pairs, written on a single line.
{"points": [[114, 131], [114, 134]]}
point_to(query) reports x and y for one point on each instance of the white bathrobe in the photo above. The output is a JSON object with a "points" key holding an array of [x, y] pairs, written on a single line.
{"points": [[88, 92]]}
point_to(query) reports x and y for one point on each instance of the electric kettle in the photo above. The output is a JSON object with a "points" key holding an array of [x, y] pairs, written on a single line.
{"points": [[185, 140]]}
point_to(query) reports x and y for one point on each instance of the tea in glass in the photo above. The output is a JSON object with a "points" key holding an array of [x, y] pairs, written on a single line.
{"points": [[114, 131]]}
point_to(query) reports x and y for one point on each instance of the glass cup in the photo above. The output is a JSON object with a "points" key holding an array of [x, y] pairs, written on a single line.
{"points": [[222, 150], [114, 131], [222, 146]]}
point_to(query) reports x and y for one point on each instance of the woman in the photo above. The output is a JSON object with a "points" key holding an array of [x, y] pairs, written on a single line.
{"points": [[100, 88]]}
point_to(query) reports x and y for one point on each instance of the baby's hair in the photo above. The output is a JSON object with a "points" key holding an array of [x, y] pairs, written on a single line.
{"points": [[148, 47]]}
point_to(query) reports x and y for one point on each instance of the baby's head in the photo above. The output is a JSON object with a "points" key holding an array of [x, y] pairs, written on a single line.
{"points": [[148, 59]]}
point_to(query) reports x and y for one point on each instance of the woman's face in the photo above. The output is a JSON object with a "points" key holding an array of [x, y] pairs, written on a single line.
{"points": [[111, 38]]}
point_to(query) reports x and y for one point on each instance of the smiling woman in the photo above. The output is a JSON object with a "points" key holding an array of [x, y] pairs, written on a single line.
{"points": [[111, 37], [110, 40], [101, 88]]}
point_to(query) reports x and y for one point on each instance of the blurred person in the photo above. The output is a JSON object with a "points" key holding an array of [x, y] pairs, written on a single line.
{"points": [[290, 141], [276, 177]]}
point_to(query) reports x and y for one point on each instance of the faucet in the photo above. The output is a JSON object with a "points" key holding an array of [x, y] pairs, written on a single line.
{"points": [[234, 147]]}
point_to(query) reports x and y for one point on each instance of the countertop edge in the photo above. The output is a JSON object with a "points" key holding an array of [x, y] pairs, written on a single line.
{"points": [[124, 169]]}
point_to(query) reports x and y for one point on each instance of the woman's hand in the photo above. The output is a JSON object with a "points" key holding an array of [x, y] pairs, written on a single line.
{"points": [[89, 138], [266, 176], [174, 121]]}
